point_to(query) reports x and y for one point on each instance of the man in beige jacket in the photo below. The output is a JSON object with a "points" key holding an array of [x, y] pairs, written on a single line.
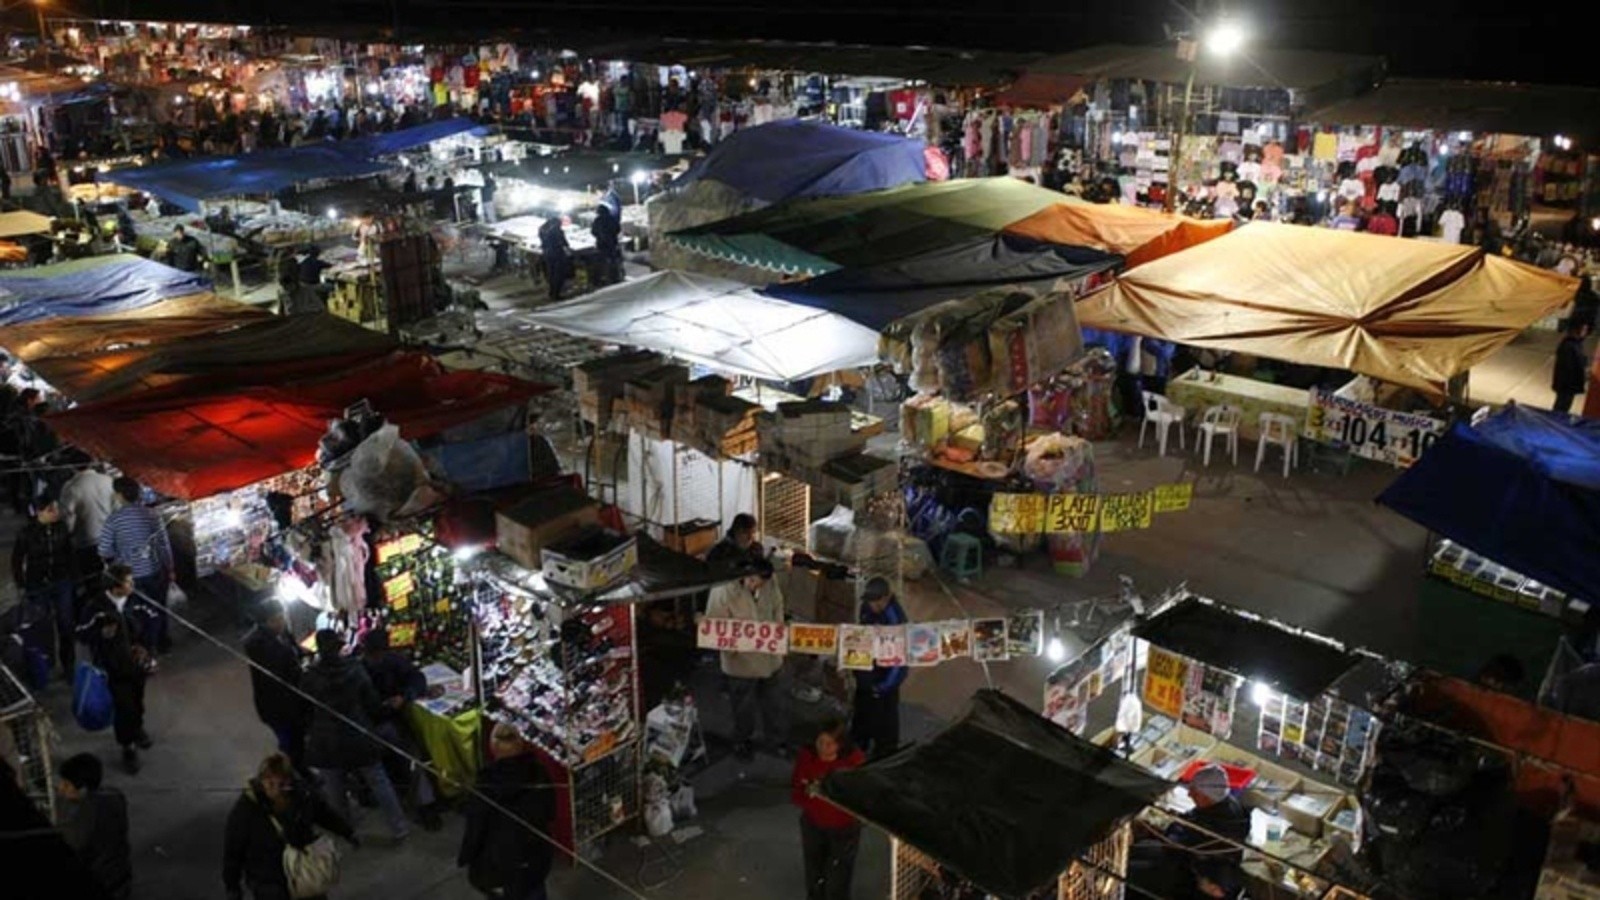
{"points": [[753, 677]]}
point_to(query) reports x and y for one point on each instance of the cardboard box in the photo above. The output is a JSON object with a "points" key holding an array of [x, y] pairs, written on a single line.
{"points": [[694, 537], [592, 560], [549, 516], [612, 369], [1306, 808]]}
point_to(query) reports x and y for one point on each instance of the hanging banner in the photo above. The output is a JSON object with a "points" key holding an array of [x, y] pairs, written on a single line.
{"points": [[741, 636], [815, 640], [1080, 513], [1164, 677], [855, 647], [889, 646], [1370, 431], [1127, 512], [922, 641]]}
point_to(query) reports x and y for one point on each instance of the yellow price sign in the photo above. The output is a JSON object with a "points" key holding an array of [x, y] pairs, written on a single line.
{"points": [[1071, 513], [397, 590], [1127, 512], [1174, 497], [1017, 513], [1164, 676]]}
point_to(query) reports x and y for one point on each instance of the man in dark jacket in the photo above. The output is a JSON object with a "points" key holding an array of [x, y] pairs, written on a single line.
{"points": [[738, 545], [876, 725], [343, 694], [503, 857], [94, 822], [110, 628], [399, 683], [607, 232], [273, 685], [276, 811], [557, 255], [44, 566], [1571, 375], [184, 252]]}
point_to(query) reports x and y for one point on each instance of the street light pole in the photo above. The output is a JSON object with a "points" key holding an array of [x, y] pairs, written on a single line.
{"points": [[38, 7], [1176, 157]]}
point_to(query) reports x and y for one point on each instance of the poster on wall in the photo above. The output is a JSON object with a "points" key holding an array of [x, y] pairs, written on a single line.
{"points": [[922, 641], [1164, 677], [855, 647], [989, 640], [1062, 705], [1025, 634], [1208, 699]]}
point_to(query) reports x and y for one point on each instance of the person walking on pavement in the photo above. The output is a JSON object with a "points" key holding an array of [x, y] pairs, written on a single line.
{"points": [[399, 682], [752, 678], [94, 821], [557, 255], [876, 726], [1570, 378], [342, 694], [276, 811], [44, 568], [87, 500], [134, 536], [607, 232], [111, 629], [503, 858], [829, 836], [275, 682]]}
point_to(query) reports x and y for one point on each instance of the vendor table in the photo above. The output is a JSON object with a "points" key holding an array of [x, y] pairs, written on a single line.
{"points": [[1195, 390], [451, 742]]}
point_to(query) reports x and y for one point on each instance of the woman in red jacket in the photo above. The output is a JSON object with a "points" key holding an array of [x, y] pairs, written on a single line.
{"points": [[829, 836]]}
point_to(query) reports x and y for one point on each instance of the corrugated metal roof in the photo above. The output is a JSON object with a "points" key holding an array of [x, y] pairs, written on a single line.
{"points": [[1482, 106]]}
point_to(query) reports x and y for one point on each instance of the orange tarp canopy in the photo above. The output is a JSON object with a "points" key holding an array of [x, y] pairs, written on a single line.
{"points": [[93, 334], [1410, 312], [1140, 235]]}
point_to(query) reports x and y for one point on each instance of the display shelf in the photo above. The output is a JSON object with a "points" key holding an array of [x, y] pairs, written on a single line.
{"points": [[229, 529], [421, 604], [1460, 566]]}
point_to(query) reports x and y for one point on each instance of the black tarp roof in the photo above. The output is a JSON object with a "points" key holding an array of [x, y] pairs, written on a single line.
{"points": [[1004, 798], [877, 295], [1298, 665]]}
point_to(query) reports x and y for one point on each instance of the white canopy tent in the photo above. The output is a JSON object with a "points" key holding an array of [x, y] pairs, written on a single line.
{"points": [[724, 325]]}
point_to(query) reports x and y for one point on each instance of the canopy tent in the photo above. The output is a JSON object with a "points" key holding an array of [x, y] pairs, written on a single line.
{"points": [[94, 334], [263, 173], [722, 324], [790, 158], [1140, 234], [101, 285], [1522, 488], [1414, 313], [813, 237], [21, 222], [254, 352], [374, 145], [1294, 663], [1005, 798], [876, 296], [1040, 90], [192, 446]]}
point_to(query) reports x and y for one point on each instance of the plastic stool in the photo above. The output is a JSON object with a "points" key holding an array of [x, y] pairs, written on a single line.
{"points": [[961, 555]]}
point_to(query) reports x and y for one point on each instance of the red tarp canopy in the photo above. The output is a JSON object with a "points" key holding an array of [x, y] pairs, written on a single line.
{"points": [[1041, 90], [188, 446]]}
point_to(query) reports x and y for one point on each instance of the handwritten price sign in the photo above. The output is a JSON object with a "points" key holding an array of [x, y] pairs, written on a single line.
{"points": [[742, 636], [1369, 431], [1164, 676], [1069, 513], [1082, 513], [1017, 513], [1127, 512], [816, 640]]}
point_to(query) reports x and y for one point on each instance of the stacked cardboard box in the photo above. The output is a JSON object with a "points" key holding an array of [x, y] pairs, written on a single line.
{"points": [[719, 425], [599, 382], [806, 434], [651, 398], [547, 517], [852, 480]]}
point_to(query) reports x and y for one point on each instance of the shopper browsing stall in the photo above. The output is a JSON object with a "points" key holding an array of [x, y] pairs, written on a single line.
{"points": [[829, 836], [876, 724], [275, 681], [340, 739], [752, 677], [399, 683], [112, 628], [503, 855]]}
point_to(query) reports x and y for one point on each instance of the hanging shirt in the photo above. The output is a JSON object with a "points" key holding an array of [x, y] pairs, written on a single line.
{"points": [[1451, 223]]}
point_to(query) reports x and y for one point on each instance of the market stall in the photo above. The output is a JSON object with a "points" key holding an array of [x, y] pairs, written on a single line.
{"points": [[118, 284]]}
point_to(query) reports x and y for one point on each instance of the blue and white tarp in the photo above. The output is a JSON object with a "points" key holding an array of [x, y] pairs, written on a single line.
{"points": [[790, 158], [99, 287]]}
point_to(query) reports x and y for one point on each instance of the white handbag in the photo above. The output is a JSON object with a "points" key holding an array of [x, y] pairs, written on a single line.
{"points": [[310, 870]]}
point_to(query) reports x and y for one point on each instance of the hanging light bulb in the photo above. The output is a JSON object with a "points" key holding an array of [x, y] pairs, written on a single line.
{"points": [[1055, 651]]}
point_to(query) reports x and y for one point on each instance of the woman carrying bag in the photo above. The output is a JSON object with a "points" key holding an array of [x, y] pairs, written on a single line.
{"points": [[272, 845]]}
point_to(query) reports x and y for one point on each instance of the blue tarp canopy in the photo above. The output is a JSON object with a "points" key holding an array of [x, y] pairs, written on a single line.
{"points": [[878, 295], [1522, 488], [783, 160], [101, 286], [187, 182]]}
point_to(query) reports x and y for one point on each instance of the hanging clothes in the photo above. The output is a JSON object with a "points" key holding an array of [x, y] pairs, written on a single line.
{"points": [[347, 543]]}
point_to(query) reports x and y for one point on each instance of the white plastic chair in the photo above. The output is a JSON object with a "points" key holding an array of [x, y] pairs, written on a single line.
{"points": [[1163, 413], [1221, 420], [1283, 431]]}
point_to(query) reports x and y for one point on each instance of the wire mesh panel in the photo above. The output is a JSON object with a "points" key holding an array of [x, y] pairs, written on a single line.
{"points": [[913, 871], [25, 741], [880, 528], [1100, 876], [605, 793], [785, 510]]}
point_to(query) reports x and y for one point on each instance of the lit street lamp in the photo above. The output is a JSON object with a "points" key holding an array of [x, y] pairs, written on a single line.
{"points": [[1223, 39]]}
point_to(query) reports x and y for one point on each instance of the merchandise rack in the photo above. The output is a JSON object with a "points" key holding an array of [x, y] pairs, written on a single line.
{"points": [[27, 732]]}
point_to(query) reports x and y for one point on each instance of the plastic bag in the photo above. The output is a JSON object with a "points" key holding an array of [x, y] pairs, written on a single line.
{"points": [[657, 806], [91, 698], [386, 478], [832, 536]]}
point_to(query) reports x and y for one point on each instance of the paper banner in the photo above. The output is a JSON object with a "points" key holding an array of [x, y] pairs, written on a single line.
{"points": [[955, 640], [1174, 497], [889, 645], [855, 647], [741, 636], [1163, 682], [1025, 634], [816, 640], [923, 644], [1126, 512], [989, 640]]}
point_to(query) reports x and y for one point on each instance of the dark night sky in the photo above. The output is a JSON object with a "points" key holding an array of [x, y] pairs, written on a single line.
{"points": [[1507, 41]]}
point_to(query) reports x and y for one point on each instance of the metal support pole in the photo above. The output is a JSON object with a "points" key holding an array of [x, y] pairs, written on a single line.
{"points": [[1177, 146]]}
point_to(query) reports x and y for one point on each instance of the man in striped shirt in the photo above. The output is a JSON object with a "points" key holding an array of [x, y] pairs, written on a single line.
{"points": [[134, 536]]}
